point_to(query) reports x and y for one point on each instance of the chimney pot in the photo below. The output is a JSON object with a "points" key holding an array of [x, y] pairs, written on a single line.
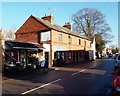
{"points": [[49, 18], [68, 25]]}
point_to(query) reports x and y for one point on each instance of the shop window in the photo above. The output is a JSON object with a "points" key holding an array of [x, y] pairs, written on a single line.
{"points": [[58, 55], [80, 54], [63, 55], [70, 55]]}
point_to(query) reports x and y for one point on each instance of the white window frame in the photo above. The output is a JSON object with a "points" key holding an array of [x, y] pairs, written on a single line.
{"points": [[60, 38]]}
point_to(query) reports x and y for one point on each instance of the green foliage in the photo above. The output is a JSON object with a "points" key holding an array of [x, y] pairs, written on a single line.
{"points": [[115, 51], [33, 60], [100, 43]]}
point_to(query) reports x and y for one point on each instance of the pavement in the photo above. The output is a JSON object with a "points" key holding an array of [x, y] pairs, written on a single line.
{"points": [[10, 74], [13, 74]]}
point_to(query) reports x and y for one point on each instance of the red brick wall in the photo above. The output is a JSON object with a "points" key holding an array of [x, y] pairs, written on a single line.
{"points": [[29, 37], [31, 25], [28, 31]]}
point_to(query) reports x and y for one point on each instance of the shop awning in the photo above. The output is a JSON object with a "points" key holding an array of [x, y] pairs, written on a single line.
{"points": [[24, 45]]}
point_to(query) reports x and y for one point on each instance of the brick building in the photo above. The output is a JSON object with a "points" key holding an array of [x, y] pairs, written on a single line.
{"points": [[58, 41]]}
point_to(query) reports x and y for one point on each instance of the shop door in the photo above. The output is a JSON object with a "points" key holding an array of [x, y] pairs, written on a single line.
{"points": [[47, 57]]}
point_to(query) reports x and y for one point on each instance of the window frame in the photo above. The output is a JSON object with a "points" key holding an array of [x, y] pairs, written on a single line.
{"points": [[60, 38], [69, 40], [79, 41]]}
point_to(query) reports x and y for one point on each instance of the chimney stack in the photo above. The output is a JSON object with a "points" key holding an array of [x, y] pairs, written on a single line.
{"points": [[49, 18], [68, 25]]}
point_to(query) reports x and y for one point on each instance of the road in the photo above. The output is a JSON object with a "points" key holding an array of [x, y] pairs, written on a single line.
{"points": [[84, 78]]}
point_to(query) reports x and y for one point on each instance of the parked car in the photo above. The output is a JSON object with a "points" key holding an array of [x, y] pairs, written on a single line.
{"points": [[116, 83], [117, 62], [116, 55]]}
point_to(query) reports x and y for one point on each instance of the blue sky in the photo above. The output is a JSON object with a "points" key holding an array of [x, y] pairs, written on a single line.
{"points": [[15, 14]]}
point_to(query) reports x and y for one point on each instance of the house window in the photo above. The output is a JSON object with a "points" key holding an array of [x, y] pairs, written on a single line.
{"points": [[70, 55], [69, 40], [84, 43], [90, 44], [60, 38], [79, 41], [45, 36]]}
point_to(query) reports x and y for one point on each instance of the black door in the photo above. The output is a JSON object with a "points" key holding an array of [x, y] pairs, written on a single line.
{"points": [[47, 58]]}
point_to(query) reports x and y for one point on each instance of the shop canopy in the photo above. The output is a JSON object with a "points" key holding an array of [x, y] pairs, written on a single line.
{"points": [[24, 45]]}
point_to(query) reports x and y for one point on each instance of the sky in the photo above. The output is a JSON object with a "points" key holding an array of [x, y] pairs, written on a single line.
{"points": [[14, 14]]}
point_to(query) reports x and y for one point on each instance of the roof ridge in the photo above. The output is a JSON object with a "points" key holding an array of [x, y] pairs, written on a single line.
{"points": [[58, 27]]}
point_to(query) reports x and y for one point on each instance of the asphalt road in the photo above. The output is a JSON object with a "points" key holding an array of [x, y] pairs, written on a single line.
{"points": [[83, 78]]}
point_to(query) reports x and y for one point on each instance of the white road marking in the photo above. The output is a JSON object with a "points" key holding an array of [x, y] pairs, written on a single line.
{"points": [[92, 66], [79, 71], [40, 87], [57, 68]]}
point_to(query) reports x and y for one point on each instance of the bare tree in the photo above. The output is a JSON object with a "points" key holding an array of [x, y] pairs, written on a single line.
{"points": [[1, 34], [9, 34], [90, 21]]}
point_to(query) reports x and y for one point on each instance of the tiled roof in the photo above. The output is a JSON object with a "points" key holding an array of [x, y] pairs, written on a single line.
{"points": [[60, 28], [23, 45]]}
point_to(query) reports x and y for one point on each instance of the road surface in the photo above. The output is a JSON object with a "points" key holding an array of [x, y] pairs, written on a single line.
{"points": [[84, 78]]}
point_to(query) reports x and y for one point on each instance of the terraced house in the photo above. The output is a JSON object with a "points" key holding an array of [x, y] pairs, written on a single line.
{"points": [[59, 42]]}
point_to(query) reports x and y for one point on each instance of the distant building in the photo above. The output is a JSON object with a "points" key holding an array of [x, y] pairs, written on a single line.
{"points": [[107, 51]]}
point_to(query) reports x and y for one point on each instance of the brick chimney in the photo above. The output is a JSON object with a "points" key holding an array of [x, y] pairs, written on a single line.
{"points": [[68, 25], [49, 18]]}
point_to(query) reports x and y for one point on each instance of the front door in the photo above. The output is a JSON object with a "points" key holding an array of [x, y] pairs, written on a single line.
{"points": [[47, 58]]}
